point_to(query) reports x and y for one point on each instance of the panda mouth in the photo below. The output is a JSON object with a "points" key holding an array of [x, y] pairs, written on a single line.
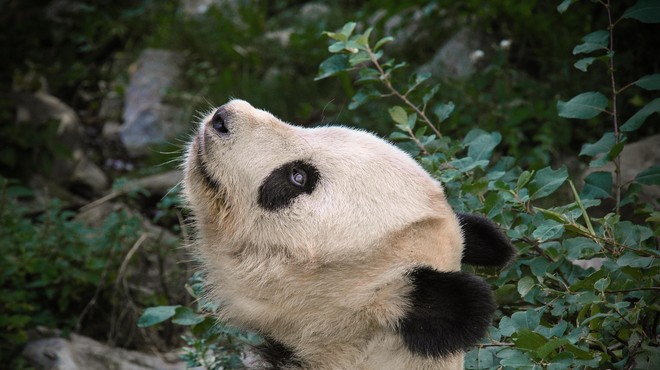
{"points": [[208, 180]]}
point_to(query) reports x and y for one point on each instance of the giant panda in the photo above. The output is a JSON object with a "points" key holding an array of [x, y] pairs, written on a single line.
{"points": [[334, 245]]}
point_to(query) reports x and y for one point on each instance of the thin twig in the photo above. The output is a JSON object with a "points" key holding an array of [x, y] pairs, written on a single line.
{"points": [[615, 118], [403, 98]]}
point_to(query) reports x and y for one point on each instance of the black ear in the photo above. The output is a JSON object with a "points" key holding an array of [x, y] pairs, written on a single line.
{"points": [[449, 312], [484, 243]]}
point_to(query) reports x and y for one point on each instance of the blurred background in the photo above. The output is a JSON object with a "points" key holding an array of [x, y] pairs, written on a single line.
{"points": [[97, 99]]}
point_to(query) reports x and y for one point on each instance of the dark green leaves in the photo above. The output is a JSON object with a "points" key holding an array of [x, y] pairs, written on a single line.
{"points": [[650, 176], [546, 181], [594, 41], [584, 106], [179, 315], [155, 315], [645, 11], [332, 66], [634, 122], [649, 82]]}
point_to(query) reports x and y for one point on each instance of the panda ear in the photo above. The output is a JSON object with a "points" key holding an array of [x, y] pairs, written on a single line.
{"points": [[448, 312], [484, 243]]}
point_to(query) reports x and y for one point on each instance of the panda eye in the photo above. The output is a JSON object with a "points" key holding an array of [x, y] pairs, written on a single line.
{"points": [[298, 177]]}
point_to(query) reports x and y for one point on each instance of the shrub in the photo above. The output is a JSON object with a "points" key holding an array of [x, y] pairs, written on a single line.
{"points": [[51, 266], [554, 313]]}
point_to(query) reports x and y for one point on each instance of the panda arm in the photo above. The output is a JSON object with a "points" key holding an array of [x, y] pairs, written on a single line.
{"points": [[484, 243], [448, 312]]}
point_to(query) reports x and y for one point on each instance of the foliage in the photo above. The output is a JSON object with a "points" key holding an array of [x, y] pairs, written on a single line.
{"points": [[554, 313], [212, 344], [52, 266]]}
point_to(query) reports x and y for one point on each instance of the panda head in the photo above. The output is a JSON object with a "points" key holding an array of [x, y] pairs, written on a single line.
{"points": [[354, 213]]}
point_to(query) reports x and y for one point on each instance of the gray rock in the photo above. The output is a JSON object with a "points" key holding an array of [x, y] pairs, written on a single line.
{"points": [[459, 57], [82, 353], [38, 109], [147, 119]]}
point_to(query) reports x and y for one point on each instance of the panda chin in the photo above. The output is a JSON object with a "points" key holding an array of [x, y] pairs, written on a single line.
{"points": [[208, 180]]}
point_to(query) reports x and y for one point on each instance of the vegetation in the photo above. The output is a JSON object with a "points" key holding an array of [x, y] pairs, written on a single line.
{"points": [[496, 139]]}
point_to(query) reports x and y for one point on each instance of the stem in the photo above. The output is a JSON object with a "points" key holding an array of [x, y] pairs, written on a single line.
{"points": [[615, 120], [388, 84]]}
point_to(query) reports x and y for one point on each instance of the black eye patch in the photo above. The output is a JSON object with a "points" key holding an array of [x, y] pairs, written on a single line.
{"points": [[286, 183]]}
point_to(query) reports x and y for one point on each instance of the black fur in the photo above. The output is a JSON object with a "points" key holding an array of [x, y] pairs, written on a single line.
{"points": [[276, 355], [485, 244], [449, 312], [277, 191]]}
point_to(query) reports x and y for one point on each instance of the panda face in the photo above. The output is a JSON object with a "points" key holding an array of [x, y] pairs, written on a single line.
{"points": [[323, 193]]}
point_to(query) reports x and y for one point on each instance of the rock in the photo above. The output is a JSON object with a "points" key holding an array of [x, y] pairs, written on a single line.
{"points": [[197, 7], [112, 107], [78, 170], [147, 119], [82, 353], [459, 57]]}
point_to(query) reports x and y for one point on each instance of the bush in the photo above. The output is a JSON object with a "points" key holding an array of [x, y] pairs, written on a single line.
{"points": [[555, 311], [51, 266]]}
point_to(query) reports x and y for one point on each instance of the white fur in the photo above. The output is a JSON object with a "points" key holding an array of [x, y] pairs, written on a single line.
{"points": [[325, 275]]}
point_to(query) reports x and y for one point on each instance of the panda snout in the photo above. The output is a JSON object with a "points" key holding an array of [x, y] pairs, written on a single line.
{"points": [[218, 122]]}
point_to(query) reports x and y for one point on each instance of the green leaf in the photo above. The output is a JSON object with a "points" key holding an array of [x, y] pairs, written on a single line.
{"points": [[597, 185], [443, 111], [584, 63], [362, 96], [634, 122], [382, 42], [603, 145], [546, 181], [368, 74], [634, 260], [594, 41], [155, 315], [645, 11], [430, 94], [602, 284], [347, 30], [358, 58], [528, 339], [186, 316], [649, 176], [363, 39], [584, 106], [525, 285], [529, 319], [649, 82], [481, 144], [417, 78], [399, 115], [515, 359], [550, 346], [332, 66], [549, 229], [561, 8]]}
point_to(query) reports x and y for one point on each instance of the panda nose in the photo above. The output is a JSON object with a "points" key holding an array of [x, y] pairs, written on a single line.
{"points": [[219, 121]]}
